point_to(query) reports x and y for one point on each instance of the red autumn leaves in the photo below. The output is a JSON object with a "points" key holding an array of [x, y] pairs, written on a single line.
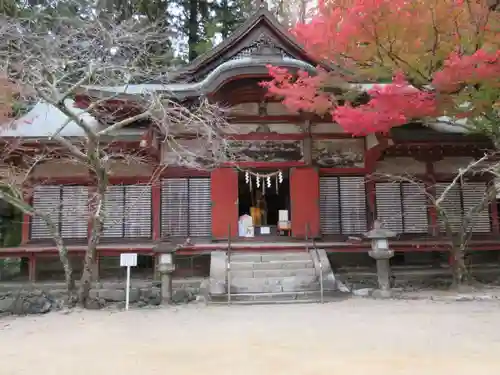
{"points": [[430, 52]]}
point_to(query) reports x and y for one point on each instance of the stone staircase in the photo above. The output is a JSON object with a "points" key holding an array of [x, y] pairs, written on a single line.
{"points": [[272, 277]]}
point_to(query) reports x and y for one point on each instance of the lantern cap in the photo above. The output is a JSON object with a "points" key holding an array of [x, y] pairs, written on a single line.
{"points": [[379, 232]]}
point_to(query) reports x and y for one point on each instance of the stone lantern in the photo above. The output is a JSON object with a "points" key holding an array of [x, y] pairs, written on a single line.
{"points": [[166, 267], [379, 237]]}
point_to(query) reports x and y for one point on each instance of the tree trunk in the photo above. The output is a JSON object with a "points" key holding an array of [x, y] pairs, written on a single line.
{"points": [[96, 214], [95, 236], [86, 279], [68, 270], [64, 258], [458, 267]]}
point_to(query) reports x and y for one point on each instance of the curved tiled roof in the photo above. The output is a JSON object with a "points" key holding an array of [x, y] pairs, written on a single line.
{"points": [[212, 81], [43, 121]]}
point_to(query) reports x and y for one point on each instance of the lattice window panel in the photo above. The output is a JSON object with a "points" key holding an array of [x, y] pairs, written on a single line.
{"points": [[329, 205], [389, 205], [138, 211], [46, 199], [113, 207], [128, 212], [342, 205], [473, 194], [402, 207], [451, 206], [175, 207], [75, 212], [200, 207], [186, 209], [416, 218], [67, 207], [353, 204]]}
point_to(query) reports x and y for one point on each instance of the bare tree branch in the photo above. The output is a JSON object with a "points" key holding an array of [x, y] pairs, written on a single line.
{"points": [[460, 236], [75, 64]]}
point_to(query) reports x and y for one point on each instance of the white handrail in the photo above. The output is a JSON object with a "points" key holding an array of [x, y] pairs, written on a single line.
{"points": [[228, 268], [321, 288]]}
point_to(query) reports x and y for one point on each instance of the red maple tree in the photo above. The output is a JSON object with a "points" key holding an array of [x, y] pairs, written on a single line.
{"points": [[435, 57]]}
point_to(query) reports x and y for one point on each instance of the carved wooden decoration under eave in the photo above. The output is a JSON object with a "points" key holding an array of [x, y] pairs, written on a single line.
{"points": [[339, 153], [257, 128], [267, 150]]}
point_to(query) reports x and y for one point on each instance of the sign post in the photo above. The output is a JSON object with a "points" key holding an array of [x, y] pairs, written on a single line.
{"points": [[128, 260]]}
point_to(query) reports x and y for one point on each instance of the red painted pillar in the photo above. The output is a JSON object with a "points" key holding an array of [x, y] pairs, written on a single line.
{"points": [[156, 209], [304, 198], [25, 230], [372, 198], [224, 192], [32, 267]]}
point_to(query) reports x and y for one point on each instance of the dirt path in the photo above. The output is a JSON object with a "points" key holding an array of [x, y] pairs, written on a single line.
{"points": [[352, 337]]}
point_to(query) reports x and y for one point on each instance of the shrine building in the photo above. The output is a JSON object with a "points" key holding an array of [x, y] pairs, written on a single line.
{"points": [[301, 179]]}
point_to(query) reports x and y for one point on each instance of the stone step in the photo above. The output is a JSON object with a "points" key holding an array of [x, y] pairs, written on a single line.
{"points": [[313, 296], [273, 284], [283, 272], [272, 265], [269, 257], [264, 272]]}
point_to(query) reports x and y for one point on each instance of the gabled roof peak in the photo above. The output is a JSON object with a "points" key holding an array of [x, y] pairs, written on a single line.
{"points": [[262, 31]]}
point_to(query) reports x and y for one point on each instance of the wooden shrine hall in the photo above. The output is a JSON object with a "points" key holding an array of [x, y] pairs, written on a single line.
{"points": [[297, 177]]}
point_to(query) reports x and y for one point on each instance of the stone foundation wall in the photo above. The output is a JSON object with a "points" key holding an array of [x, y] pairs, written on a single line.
{"points": [[43, 298]]}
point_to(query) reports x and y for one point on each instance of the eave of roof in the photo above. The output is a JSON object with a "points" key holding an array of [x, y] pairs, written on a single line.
{"points": [[44, 121], [257, 65]]}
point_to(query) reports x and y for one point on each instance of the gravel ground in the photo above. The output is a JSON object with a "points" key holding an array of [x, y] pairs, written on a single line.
{"points": [[356, 336]]}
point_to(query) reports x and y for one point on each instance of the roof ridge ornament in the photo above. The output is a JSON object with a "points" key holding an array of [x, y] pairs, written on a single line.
{"points": [[261, 4]]}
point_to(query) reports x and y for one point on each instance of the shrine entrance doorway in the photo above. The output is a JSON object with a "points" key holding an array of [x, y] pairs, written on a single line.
{"points": [[262, 195]]}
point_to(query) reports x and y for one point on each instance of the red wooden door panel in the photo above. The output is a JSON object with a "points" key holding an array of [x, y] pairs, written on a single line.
{"points": [[224, 188], [304, 197]]}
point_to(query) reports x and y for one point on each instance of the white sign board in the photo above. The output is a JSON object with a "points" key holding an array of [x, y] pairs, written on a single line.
{"points": [[128, 260], [283, 215], [265, 230]]}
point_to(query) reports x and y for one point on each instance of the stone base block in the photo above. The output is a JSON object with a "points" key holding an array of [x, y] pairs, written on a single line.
{"points": [[383, 294]]}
